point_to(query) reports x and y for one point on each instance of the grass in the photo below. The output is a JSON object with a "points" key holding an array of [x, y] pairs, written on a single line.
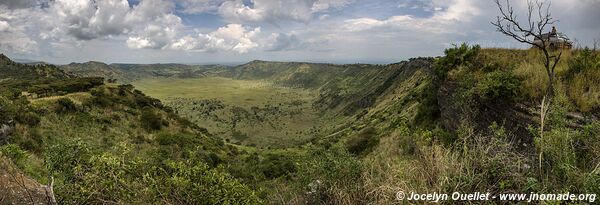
{"points": [[245, 93], [578, 71], [249, 112]]}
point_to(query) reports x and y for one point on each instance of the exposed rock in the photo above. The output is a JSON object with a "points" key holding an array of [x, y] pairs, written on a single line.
{"points": [[16, 188], [514, 117], [5, 131]]}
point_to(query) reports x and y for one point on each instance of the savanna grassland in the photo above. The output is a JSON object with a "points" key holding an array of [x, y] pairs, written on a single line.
{"points": [[247, 112], [302, 133]]}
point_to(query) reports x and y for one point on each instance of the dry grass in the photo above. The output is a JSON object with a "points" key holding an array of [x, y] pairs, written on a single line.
{"points": [[583, 88]]}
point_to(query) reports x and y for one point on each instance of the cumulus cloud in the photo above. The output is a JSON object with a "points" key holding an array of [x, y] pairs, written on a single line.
{"points": [[334, 28], [276, 10], [450, 20], [153, 25], [199, 6], [284, 42], [86, 20], [233, 37], [18, 4], [13, 36]]}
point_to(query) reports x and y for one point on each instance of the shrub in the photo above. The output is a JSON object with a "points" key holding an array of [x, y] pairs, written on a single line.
{"points": [[274, 166], [195, 183], [330, 176], [463, 55], [15, 153], [150, 119], [28, 118], [583, 80], [66, 105], [363, 142], [7, 110], [499, 85]]}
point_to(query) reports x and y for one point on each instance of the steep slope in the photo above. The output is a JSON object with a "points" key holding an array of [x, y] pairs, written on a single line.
{"points": [[105, 143], [12, 71], [127, 73], [96, 69]]}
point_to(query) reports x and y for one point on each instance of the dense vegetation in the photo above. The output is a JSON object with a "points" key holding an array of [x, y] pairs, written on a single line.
{"points": [[465, 122]]}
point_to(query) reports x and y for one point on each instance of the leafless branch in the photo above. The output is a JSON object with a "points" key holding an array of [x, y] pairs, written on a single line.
{"points": [[527, 32]]}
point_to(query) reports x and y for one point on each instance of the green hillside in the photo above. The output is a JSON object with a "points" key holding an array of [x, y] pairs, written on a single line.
{"points": [[127, 73], [306, 133]]}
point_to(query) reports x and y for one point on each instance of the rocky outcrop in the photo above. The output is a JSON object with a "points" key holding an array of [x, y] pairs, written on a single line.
{"points": [[17, 188], [5, 131], [514, 117]]}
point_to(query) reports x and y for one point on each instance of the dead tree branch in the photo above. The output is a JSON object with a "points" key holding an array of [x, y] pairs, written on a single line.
{"points": [[527, 32]]}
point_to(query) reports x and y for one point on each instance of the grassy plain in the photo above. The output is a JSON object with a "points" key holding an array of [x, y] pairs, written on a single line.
{"points": [[247, 112]]}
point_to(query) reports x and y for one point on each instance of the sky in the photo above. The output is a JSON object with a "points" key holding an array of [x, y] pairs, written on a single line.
{"points": [[238, 31]]}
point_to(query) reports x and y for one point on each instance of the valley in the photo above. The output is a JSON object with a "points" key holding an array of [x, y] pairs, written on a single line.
{"points": [[254, 113], [300, 133]]}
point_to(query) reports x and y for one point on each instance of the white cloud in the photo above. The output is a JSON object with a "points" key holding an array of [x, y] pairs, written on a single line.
{"points": [[4, 26], [199, 6], [18, 4], [276, 10], [139, 42], [86, 20], [153, 25], [442, 21], [233, 37]]}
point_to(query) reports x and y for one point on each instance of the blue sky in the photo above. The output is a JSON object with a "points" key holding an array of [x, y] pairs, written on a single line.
{"points": [[237, 31]]}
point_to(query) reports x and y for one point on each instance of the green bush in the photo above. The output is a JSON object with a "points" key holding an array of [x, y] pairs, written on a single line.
{"points": [[499, 85], [274, 166], [463, 55], [363, 142], [331, 175], [66, 105], [151, 120], [195, 183], [584, 60], [7, 110], [15, 153], [29, 118]]}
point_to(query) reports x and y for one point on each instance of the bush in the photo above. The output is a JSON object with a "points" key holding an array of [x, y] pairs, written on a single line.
{"points": [[66, 105], [363, 142], [274, 166], [151, 120], [499, 85], [15, 153], [456, 57], [195, 183], [7, 110], [583, 80], [28, 118], [330, 176]]}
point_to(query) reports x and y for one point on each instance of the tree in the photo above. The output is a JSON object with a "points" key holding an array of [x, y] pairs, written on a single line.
{"points": [[538, 19], [508, 24]]}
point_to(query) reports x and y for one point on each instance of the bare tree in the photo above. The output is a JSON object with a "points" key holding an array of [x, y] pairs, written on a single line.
{"points": [[538, 19]]}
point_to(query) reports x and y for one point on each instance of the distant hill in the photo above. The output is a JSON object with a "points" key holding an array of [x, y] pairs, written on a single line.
{"points": [[97, 69], [29, 61], [126, 73], [13, 70]]}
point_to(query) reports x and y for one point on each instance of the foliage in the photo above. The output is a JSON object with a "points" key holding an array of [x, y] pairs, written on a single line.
{"points": [[463, 55], [275, 166], [499, 85], [330, 176], [363, 142], [582, 79], [66, 105], [151, 120], [195, 183], [15, 153]]}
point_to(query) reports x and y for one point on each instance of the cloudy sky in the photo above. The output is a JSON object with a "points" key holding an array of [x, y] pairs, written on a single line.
{"points": [[236, 31]]}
